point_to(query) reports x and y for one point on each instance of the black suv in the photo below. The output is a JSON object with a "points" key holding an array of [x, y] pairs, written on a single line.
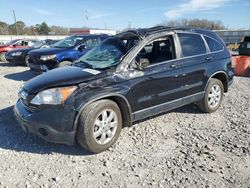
{"points": [[128, 77]]}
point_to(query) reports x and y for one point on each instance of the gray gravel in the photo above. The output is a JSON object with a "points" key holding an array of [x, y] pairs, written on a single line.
{"points": [[182, 148]]}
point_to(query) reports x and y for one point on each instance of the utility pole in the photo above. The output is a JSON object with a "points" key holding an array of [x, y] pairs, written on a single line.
{"points": [[129, 25], [15, 22]]}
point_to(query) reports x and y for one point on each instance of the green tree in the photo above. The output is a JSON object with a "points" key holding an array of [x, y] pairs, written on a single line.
{"points": [[19, 25], [44, 29], [4, 30]]}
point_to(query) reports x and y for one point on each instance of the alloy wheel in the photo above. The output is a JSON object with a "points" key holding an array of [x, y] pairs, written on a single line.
{"points": [[105, 126], [214, 96]]}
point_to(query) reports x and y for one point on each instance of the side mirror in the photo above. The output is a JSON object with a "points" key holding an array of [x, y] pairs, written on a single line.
{"points": [[82, 47], [143, 63]]}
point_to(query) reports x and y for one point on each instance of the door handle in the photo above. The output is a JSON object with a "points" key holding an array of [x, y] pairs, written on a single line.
{"points": [[173, 66], [208, 58]]}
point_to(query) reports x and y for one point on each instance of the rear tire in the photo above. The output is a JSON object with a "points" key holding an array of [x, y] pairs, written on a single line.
{"points": [[2, 56], [99, 126], [213, 96], [64, 64]]}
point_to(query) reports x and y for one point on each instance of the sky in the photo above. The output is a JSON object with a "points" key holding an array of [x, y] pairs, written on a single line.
{"points": [[119, 14]]}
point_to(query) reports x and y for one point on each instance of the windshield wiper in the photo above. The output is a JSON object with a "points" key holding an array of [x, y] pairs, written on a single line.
{"points": [[82, 63]]}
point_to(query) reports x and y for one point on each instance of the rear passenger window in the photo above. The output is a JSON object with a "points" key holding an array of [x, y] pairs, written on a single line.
{"points": [[191, 44], [213, 44]]}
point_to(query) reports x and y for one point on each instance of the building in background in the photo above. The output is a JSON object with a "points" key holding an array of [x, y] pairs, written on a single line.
{"points": [[233, 36], [75, 31]]}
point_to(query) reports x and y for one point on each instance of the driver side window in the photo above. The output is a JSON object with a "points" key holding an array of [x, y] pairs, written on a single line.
{"points": [[158, 51]]}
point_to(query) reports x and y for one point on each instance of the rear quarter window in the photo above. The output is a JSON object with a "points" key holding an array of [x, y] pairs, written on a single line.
{"points": [[213, 44], [191, 44]]}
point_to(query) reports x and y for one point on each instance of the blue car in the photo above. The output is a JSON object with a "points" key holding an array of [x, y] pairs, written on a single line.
{"points": [[63, 53]]}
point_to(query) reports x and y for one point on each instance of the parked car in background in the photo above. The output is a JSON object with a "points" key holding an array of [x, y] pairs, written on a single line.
{"points": [[128, 77], [13, 44], [20, 56], [64, 52]]}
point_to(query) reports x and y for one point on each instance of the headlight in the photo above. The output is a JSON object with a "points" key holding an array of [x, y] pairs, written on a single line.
{"points": [[47, 57], [53, 96], [16, 53]]}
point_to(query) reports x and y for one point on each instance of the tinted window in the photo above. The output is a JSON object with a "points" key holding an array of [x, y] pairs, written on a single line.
{"points": [[191, 44], [213, 44]]}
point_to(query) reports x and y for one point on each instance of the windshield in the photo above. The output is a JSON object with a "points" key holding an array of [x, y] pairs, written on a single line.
{"points": [[11, 42], [105, 55], [68, 42], [38, 44]]}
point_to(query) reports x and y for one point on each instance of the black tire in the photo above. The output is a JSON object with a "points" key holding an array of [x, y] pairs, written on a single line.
{"points": [[86, 126], [26, 60], [64, 64], [2, 56], [204, 103]]}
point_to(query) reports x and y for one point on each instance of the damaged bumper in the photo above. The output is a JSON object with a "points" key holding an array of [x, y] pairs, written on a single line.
{"points": [[49, 128]]}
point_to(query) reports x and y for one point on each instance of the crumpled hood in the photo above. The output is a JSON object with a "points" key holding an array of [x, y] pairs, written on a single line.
{"points": [[61, 77], [47, 51]]}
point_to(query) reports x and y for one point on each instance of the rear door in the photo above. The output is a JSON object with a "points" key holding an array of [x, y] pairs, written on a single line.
{"points": [[194, 62]]}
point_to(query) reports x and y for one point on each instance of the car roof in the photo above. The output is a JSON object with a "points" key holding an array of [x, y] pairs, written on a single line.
{"points": [[89, 35], [152, 30], [144, 32]]}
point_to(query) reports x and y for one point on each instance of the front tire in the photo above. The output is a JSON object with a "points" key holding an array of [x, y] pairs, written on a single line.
{"points": [[26, 60], [213, 96], [99, 126]]}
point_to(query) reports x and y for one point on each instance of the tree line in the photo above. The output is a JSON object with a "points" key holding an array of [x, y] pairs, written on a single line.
{"points": [[199, 23], [196, 23], [43, 29], [21, 28]]}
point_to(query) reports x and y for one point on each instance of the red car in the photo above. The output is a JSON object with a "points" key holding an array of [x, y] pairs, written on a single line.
{"points": [[13, 44]]}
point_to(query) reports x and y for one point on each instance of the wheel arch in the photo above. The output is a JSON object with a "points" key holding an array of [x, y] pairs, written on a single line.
{"points": [[119, 99], [222, 76], [66, 59]]}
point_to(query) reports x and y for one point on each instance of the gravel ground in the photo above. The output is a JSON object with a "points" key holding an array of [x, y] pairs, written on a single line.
{"points": [[182, 148]]}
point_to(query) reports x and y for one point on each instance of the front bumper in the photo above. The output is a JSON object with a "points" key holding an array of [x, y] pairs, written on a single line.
{"points": [[38, 68], [38, 65], [55, 127], [15, 59]]}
